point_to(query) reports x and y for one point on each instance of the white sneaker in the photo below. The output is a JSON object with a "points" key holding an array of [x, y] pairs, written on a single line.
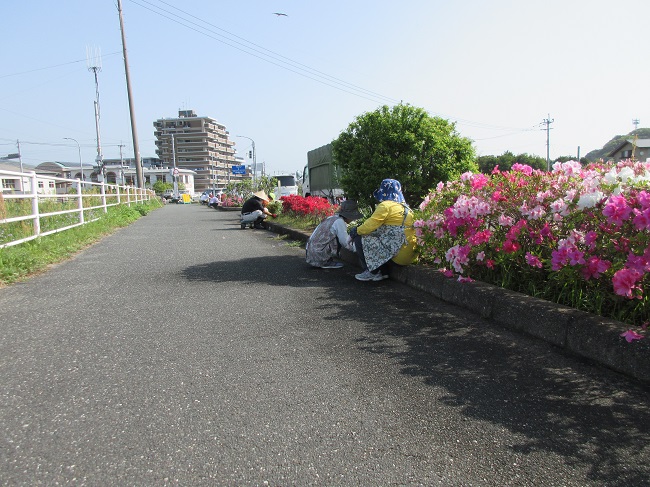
{"points": [[369, 276], [332, 265]]}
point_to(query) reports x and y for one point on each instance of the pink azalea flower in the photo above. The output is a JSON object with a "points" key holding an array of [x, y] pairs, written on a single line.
{"points": [[465, 279], [590, 239], [642, 219], [631, 335], [533, 260], [617, 210], [644, 199], [594, 267], [480, 237], [523, 168], [624, 282], [510, 247], [640, 263], [505, 221], [479, 181]]}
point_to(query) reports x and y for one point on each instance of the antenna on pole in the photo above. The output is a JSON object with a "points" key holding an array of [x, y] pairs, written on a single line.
{"points": [[94, 63], [548, 121]]}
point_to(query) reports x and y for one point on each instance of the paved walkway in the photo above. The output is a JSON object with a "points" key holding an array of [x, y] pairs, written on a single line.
{"points": [[183, 350]]}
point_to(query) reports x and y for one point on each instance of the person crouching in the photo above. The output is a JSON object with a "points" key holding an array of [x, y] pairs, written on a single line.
{"points": [[330, 235], [254, 211]]}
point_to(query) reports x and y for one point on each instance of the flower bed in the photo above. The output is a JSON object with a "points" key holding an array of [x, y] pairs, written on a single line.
{"points": [[311, 208], [229, 201], [576, 236]]}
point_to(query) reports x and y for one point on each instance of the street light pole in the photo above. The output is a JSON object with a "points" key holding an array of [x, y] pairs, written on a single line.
{"points": [[81, 165], [254, 159]]}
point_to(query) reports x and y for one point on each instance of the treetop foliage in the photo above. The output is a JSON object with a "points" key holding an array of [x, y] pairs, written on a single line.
{"points": [[404, 143]]}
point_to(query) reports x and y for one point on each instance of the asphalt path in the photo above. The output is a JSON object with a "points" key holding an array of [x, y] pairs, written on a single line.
{"points": [[183, 350]]}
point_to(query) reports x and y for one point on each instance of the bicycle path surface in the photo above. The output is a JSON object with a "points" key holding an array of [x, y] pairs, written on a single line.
{"points": [[182, 350]]}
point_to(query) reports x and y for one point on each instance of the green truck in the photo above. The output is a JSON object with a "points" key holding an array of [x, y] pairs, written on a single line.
{"points": [[321, 176]]}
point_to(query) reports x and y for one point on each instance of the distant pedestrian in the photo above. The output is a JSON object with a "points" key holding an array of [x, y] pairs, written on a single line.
{"points": [[330, 236], [213, 202]]}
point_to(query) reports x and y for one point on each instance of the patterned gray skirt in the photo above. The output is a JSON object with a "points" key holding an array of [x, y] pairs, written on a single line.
{"points": [[382, 245]]}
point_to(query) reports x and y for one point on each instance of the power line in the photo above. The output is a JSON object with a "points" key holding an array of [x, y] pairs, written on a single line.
{"points": [[241, 44], [51, 67], [276, 55], [360, 92]]}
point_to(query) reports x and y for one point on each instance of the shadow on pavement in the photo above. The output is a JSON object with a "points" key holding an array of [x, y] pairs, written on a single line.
{"points": [[603, 425], [554, 402]]}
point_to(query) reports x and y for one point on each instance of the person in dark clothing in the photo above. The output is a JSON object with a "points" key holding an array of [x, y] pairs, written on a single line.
{"points": [[254, 211]]}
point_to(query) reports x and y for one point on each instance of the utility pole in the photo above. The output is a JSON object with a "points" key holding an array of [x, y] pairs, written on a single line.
{"points": [[20, 159], [636, 123], [94, 60], [548, 121], [134, 130]]}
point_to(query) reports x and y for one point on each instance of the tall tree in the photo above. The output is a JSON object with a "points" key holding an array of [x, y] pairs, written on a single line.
{"points": [[403, 143]]}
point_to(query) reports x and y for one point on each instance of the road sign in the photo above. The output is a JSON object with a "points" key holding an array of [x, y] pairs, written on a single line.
{"points": [[175, 171], [239, 169]]}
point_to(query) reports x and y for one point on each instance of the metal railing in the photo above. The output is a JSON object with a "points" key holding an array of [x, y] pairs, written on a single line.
{"points": [[72, 203]]}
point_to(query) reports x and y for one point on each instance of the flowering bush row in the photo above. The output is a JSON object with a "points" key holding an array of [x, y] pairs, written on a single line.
{"points": [[229, 200], [310, 206], [577, 235]]}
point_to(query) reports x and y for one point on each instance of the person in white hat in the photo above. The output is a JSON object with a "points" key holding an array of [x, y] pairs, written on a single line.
{"points": [[254, 211], [330, 235]]}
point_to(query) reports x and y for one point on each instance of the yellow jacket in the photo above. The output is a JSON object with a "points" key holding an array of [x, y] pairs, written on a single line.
{"points": [[392, 213]]}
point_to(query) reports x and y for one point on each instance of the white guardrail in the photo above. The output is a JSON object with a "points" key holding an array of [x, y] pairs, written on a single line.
{"points": [[64, 191]]}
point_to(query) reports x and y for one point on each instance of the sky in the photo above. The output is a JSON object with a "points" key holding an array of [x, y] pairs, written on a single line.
{"points": [[294, 82]]}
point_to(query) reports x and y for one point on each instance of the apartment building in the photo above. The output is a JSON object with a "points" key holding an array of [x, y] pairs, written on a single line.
{"points": [[199, 144]]}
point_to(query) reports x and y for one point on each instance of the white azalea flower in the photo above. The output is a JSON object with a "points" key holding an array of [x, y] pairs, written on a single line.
{"points": [[589, 200]]}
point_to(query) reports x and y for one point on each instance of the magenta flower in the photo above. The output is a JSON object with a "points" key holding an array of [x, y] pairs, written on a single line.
{"points": [[480, 237], [631, 335], [533, 260], [594, 267], [644, 199], [624, 282], [642, 219], [523, 168], [510, 247], [617, 210]]}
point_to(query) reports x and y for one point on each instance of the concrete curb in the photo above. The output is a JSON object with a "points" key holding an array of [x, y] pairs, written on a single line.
{"points": [[583, 334]]}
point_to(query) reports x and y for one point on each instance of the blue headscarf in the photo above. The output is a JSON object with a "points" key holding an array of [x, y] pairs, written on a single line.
{"points": [[389, 189]]}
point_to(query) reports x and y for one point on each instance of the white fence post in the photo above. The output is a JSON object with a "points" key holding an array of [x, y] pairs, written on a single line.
{"points": [[128, 195], [103, 191], [37, 218], [81, 201]]}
